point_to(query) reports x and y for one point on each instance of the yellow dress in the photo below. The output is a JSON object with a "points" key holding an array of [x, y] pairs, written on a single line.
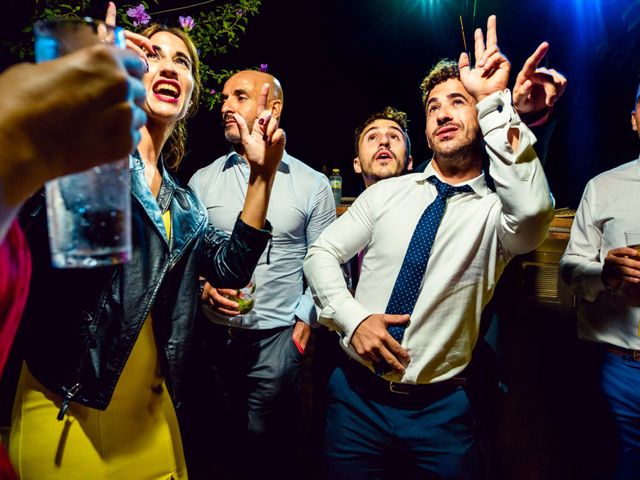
{"points": [[136, 437]]}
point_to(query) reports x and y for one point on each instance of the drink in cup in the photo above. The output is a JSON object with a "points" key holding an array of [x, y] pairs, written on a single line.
{"points": [[88, 213], [632, 240], [245, 297]]}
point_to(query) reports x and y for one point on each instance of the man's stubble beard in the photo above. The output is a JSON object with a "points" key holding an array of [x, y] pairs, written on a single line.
{"points": [[232, 138], [387, 173], [460, 158]]}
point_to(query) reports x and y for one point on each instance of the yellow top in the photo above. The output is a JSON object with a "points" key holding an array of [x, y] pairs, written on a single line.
{"points": [[137, 436]]}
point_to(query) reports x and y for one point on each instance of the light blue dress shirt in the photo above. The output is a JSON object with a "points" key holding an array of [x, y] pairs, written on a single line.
{"points": [[300, 208]]}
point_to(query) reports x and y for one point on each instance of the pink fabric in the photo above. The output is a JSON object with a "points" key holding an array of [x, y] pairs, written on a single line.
{"points": [[360, 257], [6, 470], [15, 273]]}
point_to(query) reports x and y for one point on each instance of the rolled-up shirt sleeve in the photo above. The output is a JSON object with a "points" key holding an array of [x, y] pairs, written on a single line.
{"points": [[527, 204]]}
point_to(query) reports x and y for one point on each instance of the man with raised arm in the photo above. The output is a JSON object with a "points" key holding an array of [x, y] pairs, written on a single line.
{"points": [[436, 243], [259, 352]]}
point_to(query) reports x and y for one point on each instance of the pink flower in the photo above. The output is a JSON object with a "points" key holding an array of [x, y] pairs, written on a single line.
{"points": [[264, 67], [139, 16], [212, 91], [187, 23]]}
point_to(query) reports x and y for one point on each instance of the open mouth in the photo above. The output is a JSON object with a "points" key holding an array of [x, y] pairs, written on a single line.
{"points": [[167, 91], [383, 155]]}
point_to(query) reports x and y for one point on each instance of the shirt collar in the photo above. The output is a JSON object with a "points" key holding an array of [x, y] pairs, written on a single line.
{"points": [[232, 158], [477, 184], [168, 184]]}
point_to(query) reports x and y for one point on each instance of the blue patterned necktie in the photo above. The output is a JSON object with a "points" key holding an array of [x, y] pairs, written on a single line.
{"points": [[407, 287]]}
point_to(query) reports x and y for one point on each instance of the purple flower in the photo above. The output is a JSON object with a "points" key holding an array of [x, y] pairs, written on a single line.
{"points": [[139, 16], [187, 23], [212, 91], [264, 67], [239, 12]]}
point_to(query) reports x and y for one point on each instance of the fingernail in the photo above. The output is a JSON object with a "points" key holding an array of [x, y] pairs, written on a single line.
{"points": [[261, 121]]}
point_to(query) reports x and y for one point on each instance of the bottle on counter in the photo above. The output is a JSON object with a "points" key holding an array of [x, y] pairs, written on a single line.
{"points": [[336, 185]]}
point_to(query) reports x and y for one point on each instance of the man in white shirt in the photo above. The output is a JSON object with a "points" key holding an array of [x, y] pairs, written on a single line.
{"points": [[259, 353], [415, 419], [603, 269]]}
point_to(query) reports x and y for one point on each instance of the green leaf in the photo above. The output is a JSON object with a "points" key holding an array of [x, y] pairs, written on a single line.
{"points": [[218, 30]]}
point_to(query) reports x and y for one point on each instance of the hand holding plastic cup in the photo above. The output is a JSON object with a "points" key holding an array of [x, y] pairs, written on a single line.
{"points": [[632, 240], [245, 297], [89, 213]]}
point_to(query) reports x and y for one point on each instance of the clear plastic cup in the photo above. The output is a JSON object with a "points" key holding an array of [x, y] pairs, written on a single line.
{"points": [[88, 213], [632, 240]]}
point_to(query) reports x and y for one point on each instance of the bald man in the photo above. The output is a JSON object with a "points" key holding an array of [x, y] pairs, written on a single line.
{"points": [[259, 353]]}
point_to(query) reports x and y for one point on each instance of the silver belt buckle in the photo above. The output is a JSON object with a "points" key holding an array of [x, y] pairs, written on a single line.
{"points": [[393, 387]]}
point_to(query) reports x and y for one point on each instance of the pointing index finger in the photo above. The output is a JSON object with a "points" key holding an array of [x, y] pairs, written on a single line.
{"points": [[140, 41], [534, 60], [262, 100], [478, 46], [110, 18]]}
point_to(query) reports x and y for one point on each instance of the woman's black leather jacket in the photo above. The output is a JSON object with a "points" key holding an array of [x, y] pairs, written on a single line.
{"points": [[80, 325]]}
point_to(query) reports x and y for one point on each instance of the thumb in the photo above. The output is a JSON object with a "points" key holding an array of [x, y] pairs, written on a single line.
{"points": [[396, 319], [526, 88], [550, 95]]}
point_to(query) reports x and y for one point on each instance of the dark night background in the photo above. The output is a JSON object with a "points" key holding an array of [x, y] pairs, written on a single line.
{"points": [[339, 61]]}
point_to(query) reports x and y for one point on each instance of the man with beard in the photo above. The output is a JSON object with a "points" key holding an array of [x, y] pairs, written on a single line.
{"points": [[259, 353], [398, 407], [383, 148]]}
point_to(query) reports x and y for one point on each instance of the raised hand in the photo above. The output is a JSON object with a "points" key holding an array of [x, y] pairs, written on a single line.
{"points": [[264, 145], [136, 43], [263, 150], [491, 71], [91, 95], [373, 342], [537, 88]]}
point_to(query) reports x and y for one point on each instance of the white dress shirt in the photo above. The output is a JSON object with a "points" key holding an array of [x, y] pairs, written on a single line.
{"points": [[607, 210], [480, 232], [300, 207]]}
